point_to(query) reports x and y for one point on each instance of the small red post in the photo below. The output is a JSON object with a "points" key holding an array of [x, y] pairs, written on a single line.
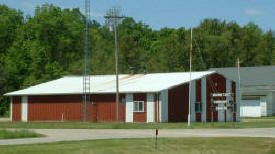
{"points": [[156, 142]]}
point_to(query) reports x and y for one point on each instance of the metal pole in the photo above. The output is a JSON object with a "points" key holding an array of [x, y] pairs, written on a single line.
{"points": [[157, 111], [158, 119], [212, 110], [233, 110], [240, 92], [117, 80], [156, 139], [190, 79]]}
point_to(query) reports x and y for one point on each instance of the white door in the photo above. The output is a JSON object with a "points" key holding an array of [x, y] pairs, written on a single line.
{"points": [[250, 108], [129, 108], [150, 108], [263, 106], [221, 113], [24, 108]]}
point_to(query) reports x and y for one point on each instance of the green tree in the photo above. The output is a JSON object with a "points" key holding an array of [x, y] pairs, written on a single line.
{"points": [[10, 20], [50, 44]]}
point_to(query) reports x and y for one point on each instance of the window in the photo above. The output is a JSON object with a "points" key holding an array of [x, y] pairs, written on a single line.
{"points": [[216, 84], [198, 107], [138, 106], [123, 101], [235, 107]]}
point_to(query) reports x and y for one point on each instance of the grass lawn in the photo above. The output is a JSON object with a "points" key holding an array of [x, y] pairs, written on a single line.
{"points": [[112, 125], [165, 145], [12, 134], [259, 119], [269, 117]]}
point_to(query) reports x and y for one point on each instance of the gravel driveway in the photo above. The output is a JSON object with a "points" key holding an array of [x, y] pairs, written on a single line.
{"points": [[4, 119], [54, 135]]}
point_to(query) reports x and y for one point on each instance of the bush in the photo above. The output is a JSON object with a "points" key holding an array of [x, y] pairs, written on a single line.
{"points": [[7, 114]]}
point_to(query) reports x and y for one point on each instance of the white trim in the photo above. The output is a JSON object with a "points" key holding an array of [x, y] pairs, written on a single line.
{"points": [[138, 102], [129, 108], [203, 99], [238, 101], [193, 100], [150, 108], [11, 102], [157, 107], [221, 111], [228, 90], [24, 114], [270, 103], [163, 106]]}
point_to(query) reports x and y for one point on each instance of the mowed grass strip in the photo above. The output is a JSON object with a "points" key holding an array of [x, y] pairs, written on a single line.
{"points": [[13, 134], [144, 146], [113, 125], [269, 117]]}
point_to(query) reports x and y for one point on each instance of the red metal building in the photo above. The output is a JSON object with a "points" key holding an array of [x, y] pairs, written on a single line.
{"points": [[158, 97]]}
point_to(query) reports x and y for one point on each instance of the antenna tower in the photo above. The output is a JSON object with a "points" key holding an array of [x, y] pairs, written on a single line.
{"points": [[86, 70]]}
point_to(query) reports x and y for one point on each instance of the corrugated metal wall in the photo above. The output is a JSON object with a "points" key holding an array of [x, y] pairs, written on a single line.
{"points": [[215, 84], [178, 99], [104, 108], [156, 107], [198, 99], [16, 108], [141, 116], [51, 108], [234, 98]]}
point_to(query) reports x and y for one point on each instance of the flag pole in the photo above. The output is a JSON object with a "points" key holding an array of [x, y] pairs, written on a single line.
{"points": [[189, 111]]}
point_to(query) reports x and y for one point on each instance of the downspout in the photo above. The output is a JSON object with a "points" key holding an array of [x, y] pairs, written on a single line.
{"points": [[158, 107], [11, 102]]}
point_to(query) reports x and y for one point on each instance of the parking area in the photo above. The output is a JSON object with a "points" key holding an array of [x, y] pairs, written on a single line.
{"points": [[4, 119], [55, 135]]}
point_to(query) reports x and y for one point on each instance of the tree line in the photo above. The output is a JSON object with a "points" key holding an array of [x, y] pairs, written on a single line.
{"points": [[49, 45]]}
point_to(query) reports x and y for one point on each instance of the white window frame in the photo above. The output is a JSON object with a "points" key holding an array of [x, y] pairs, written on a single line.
{"points": [[138, 102]]}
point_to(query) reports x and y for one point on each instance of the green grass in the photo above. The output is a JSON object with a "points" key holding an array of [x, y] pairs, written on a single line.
{"points": [[269, 117], [144, 146], [109, 125], [12, 134]]}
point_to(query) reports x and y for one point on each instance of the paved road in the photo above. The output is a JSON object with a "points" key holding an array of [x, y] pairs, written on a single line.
{"points": [[54, 135], [4, 119]]}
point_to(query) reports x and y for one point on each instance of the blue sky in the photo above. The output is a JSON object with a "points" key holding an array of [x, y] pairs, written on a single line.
{"points": [[170, 13]]}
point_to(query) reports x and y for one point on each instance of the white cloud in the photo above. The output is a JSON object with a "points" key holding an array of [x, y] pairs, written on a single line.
{"points": [[253, 12]]}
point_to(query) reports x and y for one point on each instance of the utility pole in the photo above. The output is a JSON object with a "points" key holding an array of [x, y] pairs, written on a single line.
{"points": [[86, 70], [113, 19], [191, 48]]}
